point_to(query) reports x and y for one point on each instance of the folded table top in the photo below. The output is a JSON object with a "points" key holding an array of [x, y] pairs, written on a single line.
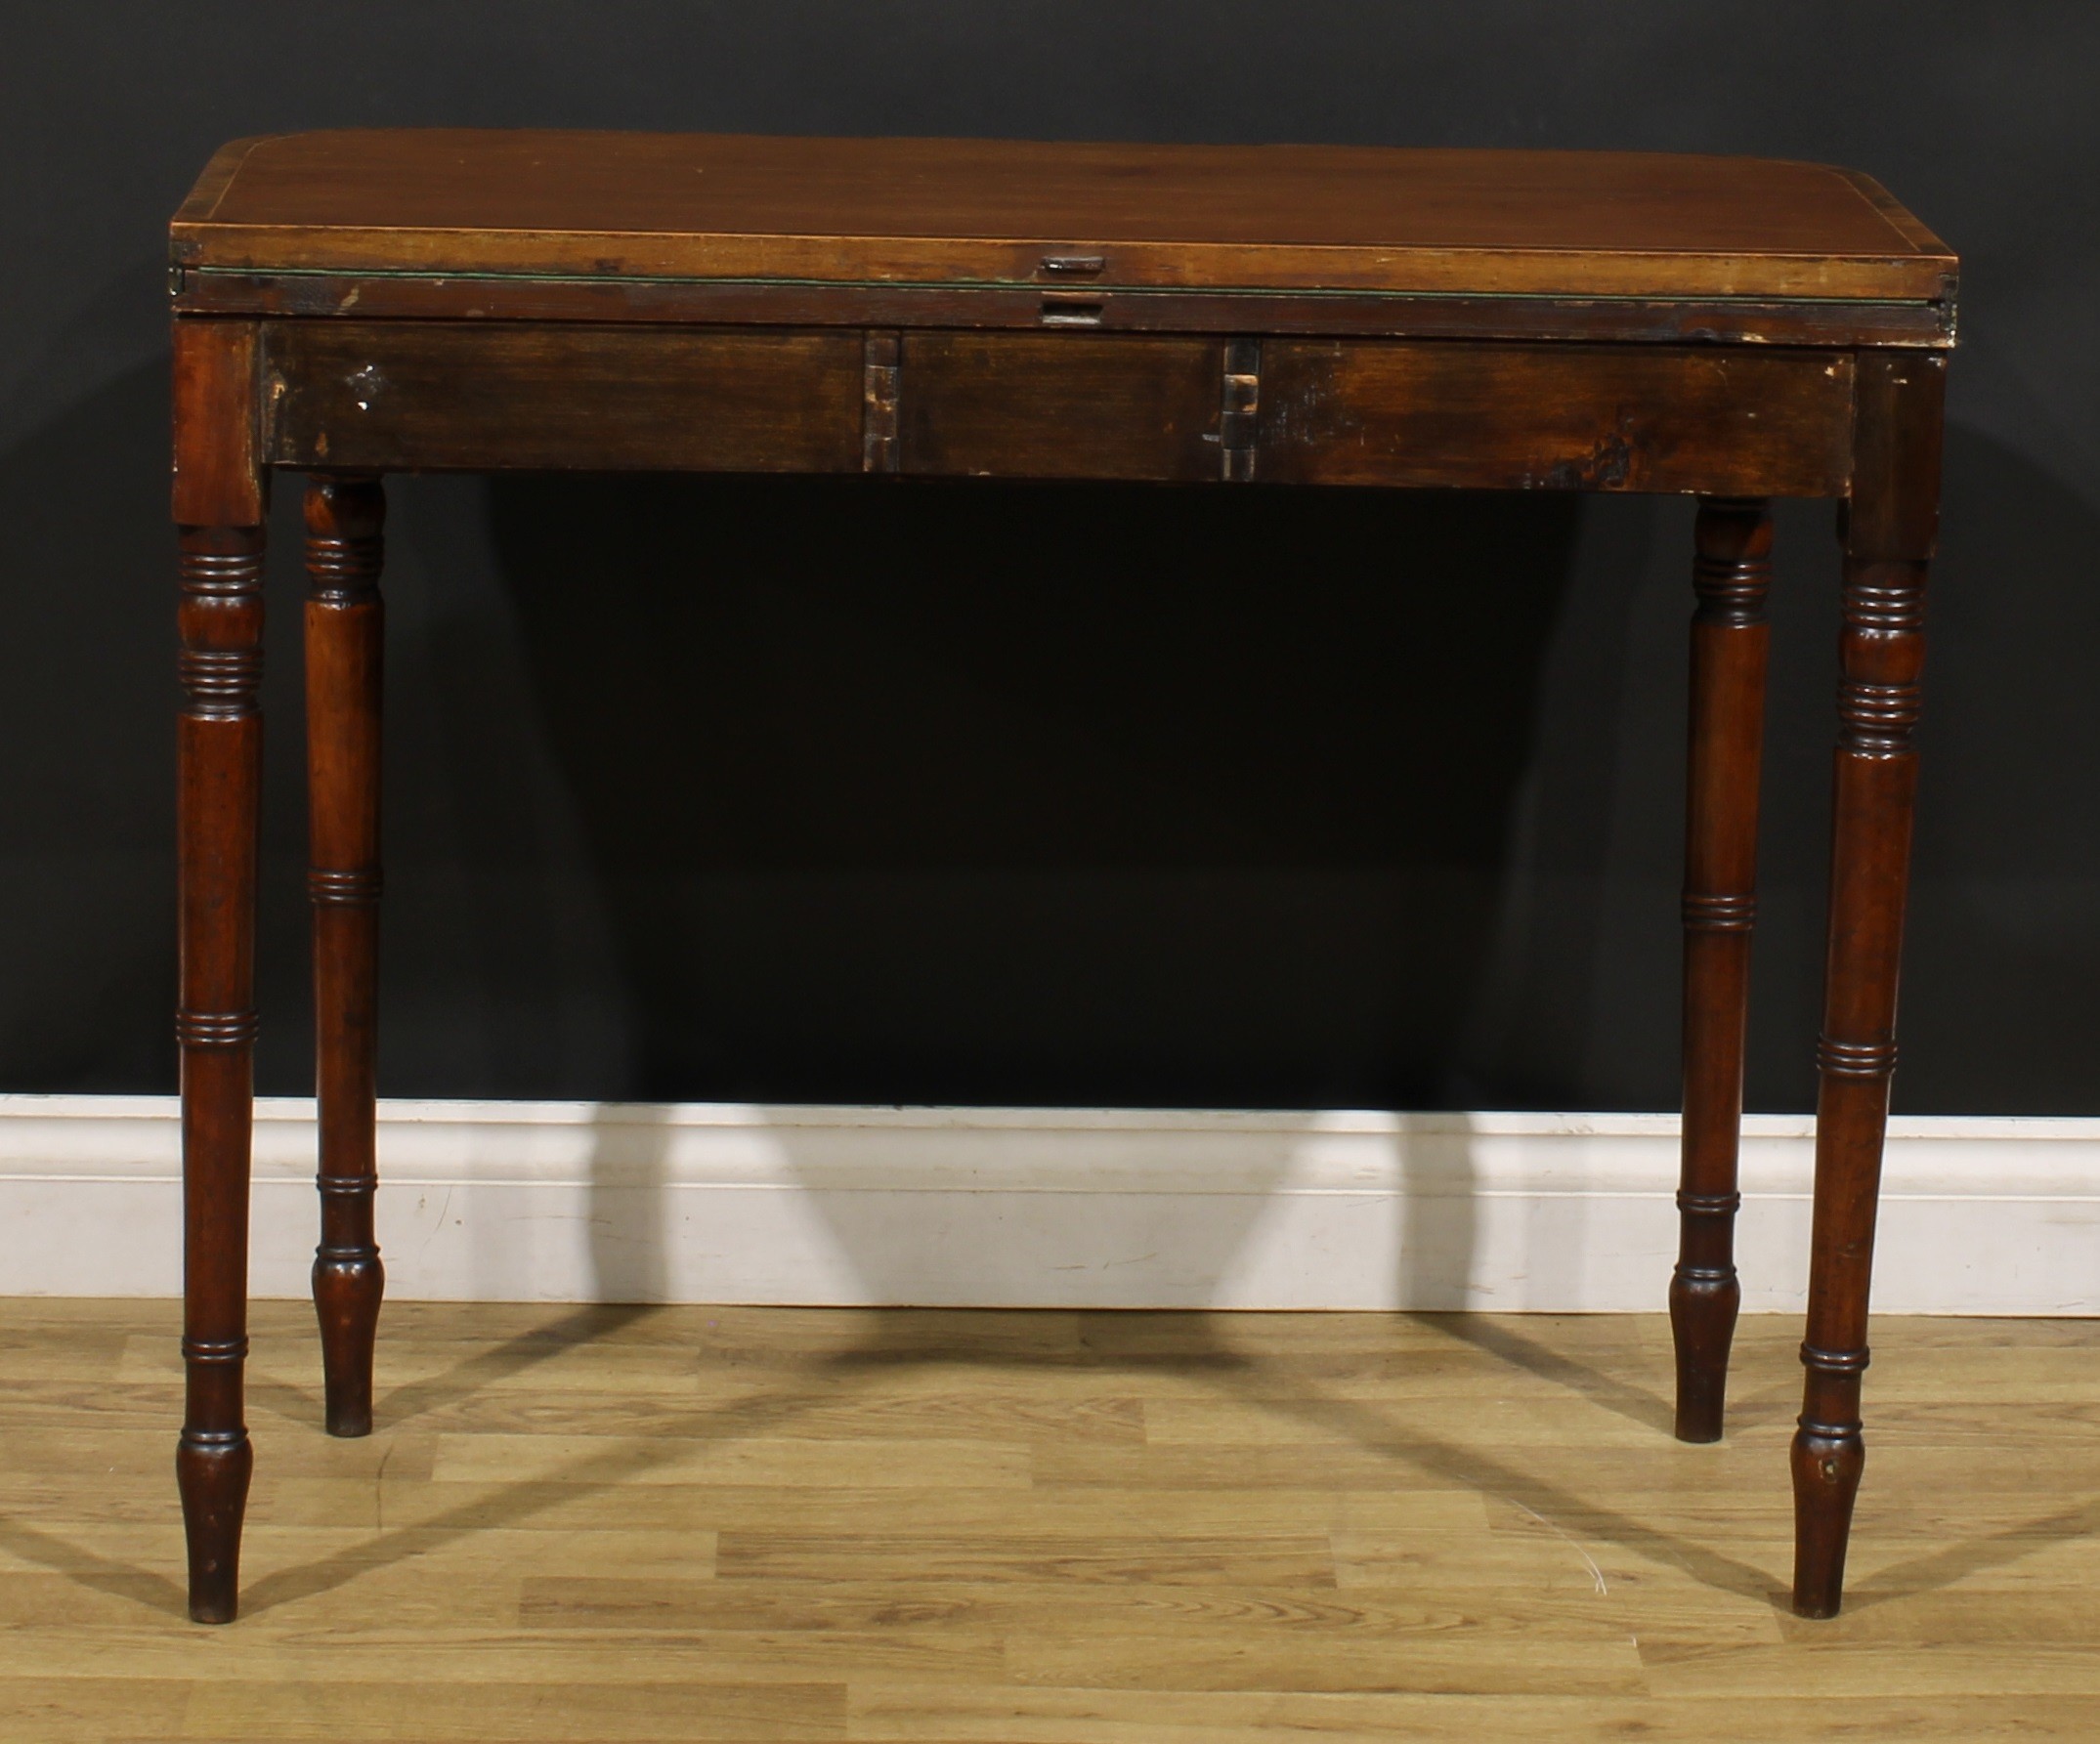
{"points": [[613, 206]]}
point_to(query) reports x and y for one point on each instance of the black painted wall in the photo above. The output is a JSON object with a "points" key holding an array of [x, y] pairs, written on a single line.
{"points": [[844, 789]]}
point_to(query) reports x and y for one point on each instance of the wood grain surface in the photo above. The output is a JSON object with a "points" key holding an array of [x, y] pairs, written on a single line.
{"points": [[412, 296], [1060, 406], [590, 1524], [1528, 417], [946, 211], [432, 394], [401, 395]]}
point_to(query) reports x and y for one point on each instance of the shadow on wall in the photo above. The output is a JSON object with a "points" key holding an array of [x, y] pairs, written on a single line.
{"points": [[633, 1214], [961, 1208]]}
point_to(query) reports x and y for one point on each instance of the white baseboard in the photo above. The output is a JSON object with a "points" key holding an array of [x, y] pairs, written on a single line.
{"points": [[1066, 1207]]}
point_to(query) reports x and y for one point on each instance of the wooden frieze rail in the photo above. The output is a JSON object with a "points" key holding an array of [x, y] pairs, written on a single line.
{"points": [[353, 304]]}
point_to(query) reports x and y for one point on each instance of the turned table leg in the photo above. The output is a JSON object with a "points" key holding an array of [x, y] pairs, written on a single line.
{"points": [[218, 510], [1888, 528], [1729, 639], [344, 624]]}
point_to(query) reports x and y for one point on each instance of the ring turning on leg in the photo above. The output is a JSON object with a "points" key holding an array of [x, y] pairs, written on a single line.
{"points": [[1730, 641], [1888, 527], [344, 634], [219, 780]]}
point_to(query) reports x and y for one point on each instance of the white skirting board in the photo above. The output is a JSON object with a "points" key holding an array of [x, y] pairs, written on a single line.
{"points": [[1050, 1208]]}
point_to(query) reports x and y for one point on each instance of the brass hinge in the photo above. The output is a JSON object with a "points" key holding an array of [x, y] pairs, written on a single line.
{"points": [[878, 403], [1242, 400]]}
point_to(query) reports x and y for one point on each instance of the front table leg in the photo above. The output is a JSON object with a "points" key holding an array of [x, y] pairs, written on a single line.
{"points": [[1888, 528], [219, 498], [344, 625], [219, 739]]}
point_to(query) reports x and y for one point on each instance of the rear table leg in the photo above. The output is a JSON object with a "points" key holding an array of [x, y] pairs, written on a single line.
{"points": [[1729, 639], [344, 625]]}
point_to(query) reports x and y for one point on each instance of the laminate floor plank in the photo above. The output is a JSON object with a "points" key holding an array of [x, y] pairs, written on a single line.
{"points": [[749, 1525], [895, 1713], [635, 1708], [734, 1458], [1151, 1560]]}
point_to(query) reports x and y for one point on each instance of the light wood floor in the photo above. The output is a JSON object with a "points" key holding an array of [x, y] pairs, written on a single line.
{"points": [[769, 1524]]}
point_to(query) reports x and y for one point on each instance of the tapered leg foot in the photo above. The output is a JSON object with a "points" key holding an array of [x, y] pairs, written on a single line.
{"points": [[212, 1473], [1702, 1325], [1827, 1462], [347, 1292]]}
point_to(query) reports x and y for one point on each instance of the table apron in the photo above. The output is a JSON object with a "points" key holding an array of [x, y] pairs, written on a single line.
{"points": [[430, 396]]}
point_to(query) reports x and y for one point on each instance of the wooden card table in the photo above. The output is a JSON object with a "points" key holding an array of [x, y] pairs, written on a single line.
{"points": [[352, 304]]}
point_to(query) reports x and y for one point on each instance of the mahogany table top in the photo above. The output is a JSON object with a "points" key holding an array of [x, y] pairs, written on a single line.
{"points": [[989, 212]]}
